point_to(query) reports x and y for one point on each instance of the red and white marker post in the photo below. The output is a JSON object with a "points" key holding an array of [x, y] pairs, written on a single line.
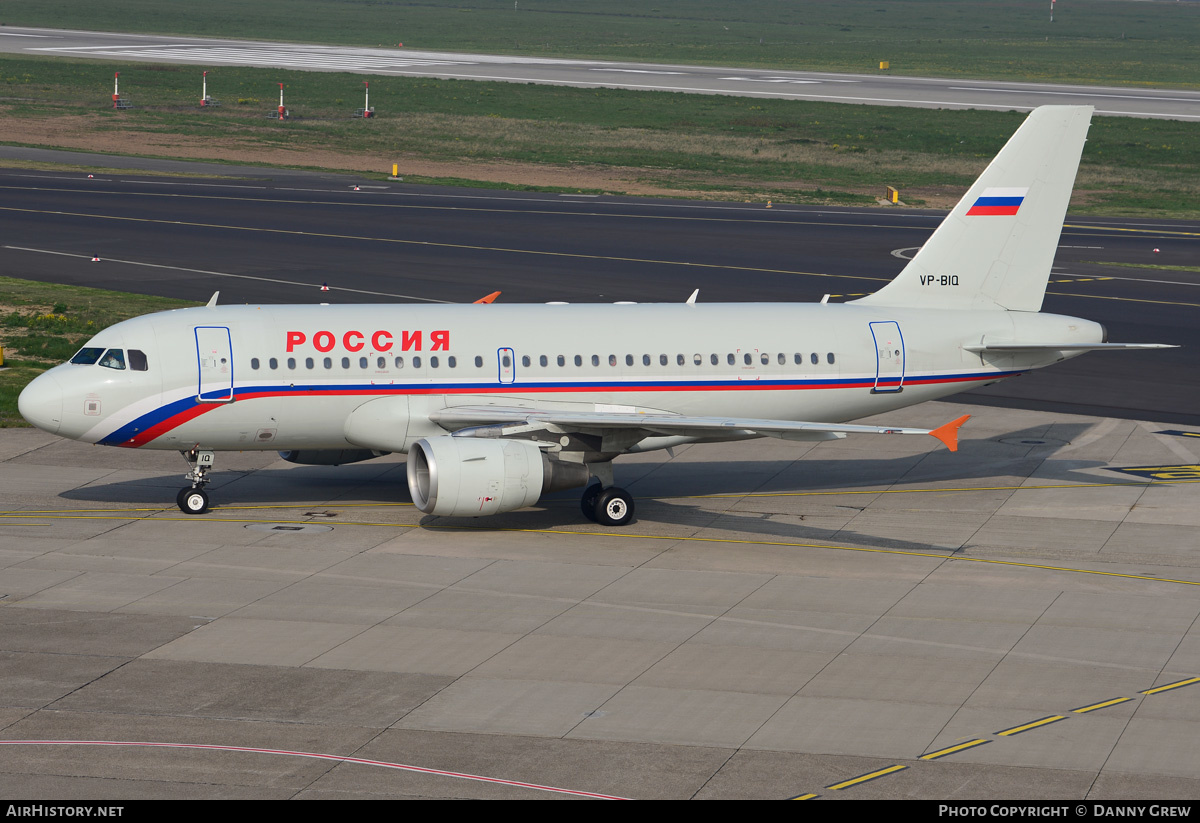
{"points": [[204, 91], [282, 110], [116, 88]]}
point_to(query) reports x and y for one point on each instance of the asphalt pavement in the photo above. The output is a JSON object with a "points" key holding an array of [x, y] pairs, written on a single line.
{"points": [[271, 236]]}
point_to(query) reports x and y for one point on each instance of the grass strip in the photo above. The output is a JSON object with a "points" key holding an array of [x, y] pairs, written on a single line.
{"points": [[612, 140], [1110, 42], [44, 324]]}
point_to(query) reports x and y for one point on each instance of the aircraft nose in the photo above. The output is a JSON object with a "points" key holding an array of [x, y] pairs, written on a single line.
{"points": [[41, 403]]}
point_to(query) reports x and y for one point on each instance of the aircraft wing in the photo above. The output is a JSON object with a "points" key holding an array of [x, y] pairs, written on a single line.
{"points": [[673, 424]]}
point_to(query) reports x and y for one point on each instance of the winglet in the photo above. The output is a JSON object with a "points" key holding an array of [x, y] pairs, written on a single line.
{"points": [[212, 301], [491, 298], [948, 433]]}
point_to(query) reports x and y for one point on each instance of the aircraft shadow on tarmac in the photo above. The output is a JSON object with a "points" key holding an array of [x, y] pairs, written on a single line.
{"points": [[668, 492]]}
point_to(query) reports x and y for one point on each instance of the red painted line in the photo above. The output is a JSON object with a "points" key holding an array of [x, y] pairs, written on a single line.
{"points": [[383, 389], [316, 755]]}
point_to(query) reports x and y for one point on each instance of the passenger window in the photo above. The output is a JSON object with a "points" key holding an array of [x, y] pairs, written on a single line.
{"points": [[645, 360], [292, 363], [363, 362], [399, 362], [381, 362], [595, 360], [113, 359], [766, 358], [525, 361], [308, 363], [612, 360], [746, 358], [782, 359], [433, 362], [729, 358], [578, 360], [416, 361], [451, 362], [697, 358], [543, 361], [799, 358], [679, 359], [829, 358], [712, 358], [478, 362], [253, 362], [345, 362], [662, 360], [815, 360], [138, 362], [87, 356], [327, 362], [562, 361], [273, 363]]}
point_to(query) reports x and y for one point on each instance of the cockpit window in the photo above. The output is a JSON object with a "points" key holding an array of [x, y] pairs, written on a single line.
{"points": [[113, 359], [87, 356], [137, 360]]}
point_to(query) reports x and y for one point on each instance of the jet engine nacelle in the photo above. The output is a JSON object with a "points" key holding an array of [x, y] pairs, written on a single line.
{"points": [[472, 477], [329, 457]]}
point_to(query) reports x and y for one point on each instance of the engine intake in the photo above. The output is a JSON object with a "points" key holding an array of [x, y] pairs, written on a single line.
{"points": [[472, 477]]}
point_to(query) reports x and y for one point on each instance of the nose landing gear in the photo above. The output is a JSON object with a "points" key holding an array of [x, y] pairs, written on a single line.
{"points": [[194, 500]]}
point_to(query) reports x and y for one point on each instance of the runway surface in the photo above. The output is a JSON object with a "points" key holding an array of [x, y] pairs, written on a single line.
{"points": [[874, 89], [277, 237]]}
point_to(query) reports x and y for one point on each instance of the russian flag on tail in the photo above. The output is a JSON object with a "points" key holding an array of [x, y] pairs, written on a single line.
{"points": [[998, 201]]}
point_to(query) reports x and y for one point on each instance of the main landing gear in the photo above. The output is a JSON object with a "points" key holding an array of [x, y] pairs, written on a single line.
{"points": [[194, 500], [608, 507], [604, 503]]}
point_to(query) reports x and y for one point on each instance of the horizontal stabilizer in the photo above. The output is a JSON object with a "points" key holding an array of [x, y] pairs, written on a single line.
{"points": [[1080, 347]]}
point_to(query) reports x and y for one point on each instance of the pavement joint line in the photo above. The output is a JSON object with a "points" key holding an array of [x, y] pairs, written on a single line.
{"points": [[835, 492], [947, 555], [926, 490]]}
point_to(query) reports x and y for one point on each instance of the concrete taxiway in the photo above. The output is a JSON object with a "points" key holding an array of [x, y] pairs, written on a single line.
{"points": [[878, 89], [869, 618]]}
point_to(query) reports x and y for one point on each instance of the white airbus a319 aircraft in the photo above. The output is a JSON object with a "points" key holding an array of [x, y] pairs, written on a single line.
{"points": [[496, 405]]}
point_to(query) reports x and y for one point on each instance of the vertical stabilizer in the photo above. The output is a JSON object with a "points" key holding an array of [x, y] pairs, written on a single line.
{"points": [[995, 249]]}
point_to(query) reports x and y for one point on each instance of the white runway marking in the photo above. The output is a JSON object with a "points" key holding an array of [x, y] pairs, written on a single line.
{"points": [[227, 274], [304, 58], [1076, 93]]}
